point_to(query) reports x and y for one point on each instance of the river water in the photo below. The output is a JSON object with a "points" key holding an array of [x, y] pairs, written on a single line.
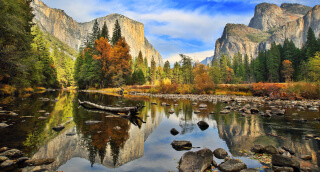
{"points": [[122, 144]]}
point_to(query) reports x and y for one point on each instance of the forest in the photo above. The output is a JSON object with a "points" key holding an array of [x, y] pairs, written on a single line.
{"points": [[33, 59]]}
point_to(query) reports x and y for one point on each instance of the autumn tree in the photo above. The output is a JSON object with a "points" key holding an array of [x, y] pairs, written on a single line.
{"points": [[287, 70], [202, 81], [119, 69]]}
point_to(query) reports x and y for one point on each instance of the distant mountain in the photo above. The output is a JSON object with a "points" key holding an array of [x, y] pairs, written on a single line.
{"points": [[207, 60], [270, 23], [69, 31]]}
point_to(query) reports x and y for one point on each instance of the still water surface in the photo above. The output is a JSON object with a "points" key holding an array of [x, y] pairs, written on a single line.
{"points": [[122, 144]]}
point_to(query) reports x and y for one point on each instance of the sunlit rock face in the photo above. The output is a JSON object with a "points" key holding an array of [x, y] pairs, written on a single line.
{"points": [[128, 147], [270, 23], [69, 31]]}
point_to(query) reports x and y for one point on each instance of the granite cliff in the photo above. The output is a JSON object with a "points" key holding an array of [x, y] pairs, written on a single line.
{"points": [[270, 23], [69, 31]]}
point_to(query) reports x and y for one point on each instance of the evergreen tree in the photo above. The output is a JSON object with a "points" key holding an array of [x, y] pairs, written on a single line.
{"points": [[104, 31], [95, 32], [116, 33], [167, 69], [310, 47], [153, 70], [186, 67], [247, 68], [273, 63]]}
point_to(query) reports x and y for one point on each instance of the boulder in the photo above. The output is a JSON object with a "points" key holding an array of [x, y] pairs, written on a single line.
{"points": [[202, 105], [58, 128], [38, 162], [270, 150], [306, 157], [257, 148], [21, 160], [7, 165], [3, 158], [232, 165], [220, 153], [3, 125], [288, 150], [284, 161], [196, 161], [203, 125], [171, 111], [12, 153], [196, 111], [174, 132], [181, 145], [3, 149], [254, 110]]}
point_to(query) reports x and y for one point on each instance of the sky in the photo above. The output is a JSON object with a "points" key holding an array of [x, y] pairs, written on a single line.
{"points": [[173, 27]]}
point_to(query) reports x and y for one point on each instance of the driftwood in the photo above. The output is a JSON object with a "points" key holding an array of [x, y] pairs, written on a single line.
{"points": [[127, 110]]}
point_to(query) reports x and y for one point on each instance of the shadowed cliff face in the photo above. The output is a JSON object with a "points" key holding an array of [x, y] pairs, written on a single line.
{"points": [[270, 23], [58, 23]]}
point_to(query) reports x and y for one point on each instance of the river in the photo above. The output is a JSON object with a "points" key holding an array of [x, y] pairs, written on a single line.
{"points": [[142, 143]]}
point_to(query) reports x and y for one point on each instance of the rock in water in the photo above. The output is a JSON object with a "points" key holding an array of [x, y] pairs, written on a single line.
{"points": [[12, 153], [196, 161], [7, 165], [203, 125], [220, 153], [3, 125], [58, 128], [249, 170], [270, 150], [181, 145], [174, 132], [257, 148], [232, 165], [38, 162], [3, 158], [203, 106], [284, 161]]}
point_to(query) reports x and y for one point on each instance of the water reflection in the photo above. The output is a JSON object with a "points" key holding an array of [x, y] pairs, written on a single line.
{"points": [[141, 143]]}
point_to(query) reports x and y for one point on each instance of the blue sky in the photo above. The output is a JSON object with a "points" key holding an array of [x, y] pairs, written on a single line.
{"points": [[173, 26]]}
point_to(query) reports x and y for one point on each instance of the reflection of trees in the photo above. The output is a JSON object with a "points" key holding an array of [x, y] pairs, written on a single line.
{"points": [[112, 131], [186, 122]]}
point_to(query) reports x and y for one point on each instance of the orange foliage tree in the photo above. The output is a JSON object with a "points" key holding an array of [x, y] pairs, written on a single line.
{"points": [[203, 82], [287, 70], [115, 61]]}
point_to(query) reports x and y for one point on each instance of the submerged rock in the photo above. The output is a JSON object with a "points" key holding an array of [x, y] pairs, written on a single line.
{"points": [[249, 170], [232, 165], [203, 125], [171, 111], [196, 161], [220, 153], [283, 169], [202, 105], [181, 145], [174, 132]]}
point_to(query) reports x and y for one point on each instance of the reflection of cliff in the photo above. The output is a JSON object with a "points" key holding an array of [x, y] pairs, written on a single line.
{"points": [[63, 147], [243, 133]]}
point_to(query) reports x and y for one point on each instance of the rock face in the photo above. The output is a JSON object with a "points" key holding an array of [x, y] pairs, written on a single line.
{"points": [[69, 31], [270, 23]]}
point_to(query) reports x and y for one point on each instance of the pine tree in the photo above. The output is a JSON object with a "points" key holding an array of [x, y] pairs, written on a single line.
{"points": [[273, 63], [153, 70], [310, 46], [167, 69], [116, 33], [95, 32], [104, 31]]}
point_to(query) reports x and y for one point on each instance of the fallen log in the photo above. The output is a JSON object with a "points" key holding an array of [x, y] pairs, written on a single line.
{"points": [[89, 105]]}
